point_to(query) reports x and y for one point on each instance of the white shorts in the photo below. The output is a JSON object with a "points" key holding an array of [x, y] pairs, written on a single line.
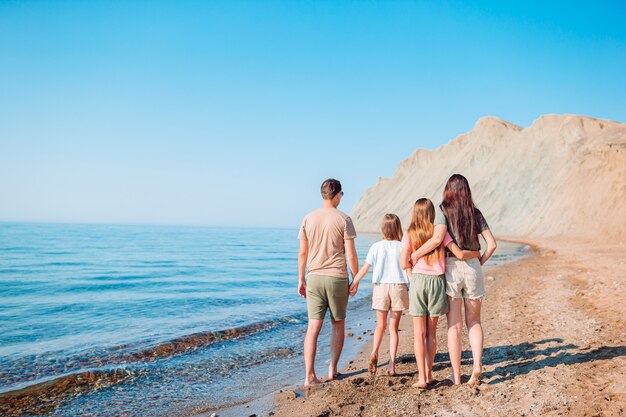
{"points": [[394, 297], [464, 279]]}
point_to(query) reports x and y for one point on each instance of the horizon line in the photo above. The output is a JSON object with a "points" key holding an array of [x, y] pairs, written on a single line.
{"points": [[87, 223]]}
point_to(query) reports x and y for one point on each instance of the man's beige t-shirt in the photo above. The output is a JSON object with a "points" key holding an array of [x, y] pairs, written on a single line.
{"points": [[325, 229]]}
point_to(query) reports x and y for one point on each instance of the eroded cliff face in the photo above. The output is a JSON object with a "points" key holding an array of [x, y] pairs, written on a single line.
{"points": [[564, 176]]}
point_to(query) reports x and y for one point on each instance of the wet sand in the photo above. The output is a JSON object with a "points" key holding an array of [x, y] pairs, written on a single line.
{"points": [[555, 345], [46, 397], [268, 382]]}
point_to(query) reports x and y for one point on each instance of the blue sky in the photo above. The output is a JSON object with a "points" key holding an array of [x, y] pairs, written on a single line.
{"points": [[233, 112]]}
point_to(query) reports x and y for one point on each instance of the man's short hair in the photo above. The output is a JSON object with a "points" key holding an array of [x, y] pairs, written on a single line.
{"points": [[330, 188]]}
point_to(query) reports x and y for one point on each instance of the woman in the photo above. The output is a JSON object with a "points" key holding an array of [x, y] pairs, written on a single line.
{"points": [[464, 279]]}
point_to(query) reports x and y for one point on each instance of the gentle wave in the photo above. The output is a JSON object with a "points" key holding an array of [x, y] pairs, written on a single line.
{"points": [[30, 370], [28, 401]]}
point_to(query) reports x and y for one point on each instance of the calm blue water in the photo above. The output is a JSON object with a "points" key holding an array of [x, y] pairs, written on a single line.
{"points": [[76, 298], [69, 287]]}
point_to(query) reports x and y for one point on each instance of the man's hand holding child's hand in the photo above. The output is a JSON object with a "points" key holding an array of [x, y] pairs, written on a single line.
{"points": [[354, 288]]}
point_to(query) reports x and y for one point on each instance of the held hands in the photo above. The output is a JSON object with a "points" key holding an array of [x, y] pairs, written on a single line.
{"points": [[302, 288], [354, 288]]}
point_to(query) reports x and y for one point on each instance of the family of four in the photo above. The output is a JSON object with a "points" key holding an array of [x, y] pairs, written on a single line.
{"points": [[432, 269]]}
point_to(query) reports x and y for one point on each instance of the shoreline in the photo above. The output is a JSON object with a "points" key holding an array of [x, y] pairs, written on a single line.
{"points": [[550, 346], [354, 352], [262, 404]]}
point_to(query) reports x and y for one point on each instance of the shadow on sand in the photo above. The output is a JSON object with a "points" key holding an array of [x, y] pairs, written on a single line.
{"points": [[515, 360]]}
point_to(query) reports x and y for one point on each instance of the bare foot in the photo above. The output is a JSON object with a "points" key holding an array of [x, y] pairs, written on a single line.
{"points": [[312, 381], [332, 374], [475, 379], [451, 379], [420, 385], [373, 364], [391, 367], [429, 378]]}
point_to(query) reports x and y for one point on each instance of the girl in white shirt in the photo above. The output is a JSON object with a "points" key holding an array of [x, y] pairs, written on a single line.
{"points": [[390, 293]]}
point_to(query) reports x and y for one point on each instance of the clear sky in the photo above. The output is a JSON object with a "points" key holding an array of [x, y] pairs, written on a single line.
{"points": [[233, 112]]}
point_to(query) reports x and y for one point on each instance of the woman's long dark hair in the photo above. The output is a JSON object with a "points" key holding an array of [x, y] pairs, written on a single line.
{"points": [[460, 211]]}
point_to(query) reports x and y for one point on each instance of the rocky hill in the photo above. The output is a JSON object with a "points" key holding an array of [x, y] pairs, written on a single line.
{"points": [[563, 176]]}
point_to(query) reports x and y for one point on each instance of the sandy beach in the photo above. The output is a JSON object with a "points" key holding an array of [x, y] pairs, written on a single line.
{"points": [[555, 345]]}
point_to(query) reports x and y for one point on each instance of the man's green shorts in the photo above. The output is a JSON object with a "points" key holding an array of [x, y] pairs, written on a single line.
{"points": [[427, 295], [324, 292]]}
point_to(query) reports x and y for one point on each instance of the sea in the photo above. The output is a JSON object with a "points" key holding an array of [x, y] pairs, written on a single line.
{"points": [[157, 320]]}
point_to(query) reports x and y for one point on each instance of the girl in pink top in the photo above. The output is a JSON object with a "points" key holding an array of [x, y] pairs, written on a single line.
{"points": [[427, 292]]}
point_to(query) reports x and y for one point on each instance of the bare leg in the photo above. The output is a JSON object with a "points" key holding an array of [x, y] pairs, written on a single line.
{"points": [[381, 324], [431, 346], [475, 330], [310, 349], [455, 329], [336, 346], [394, 323], [419, 344]]}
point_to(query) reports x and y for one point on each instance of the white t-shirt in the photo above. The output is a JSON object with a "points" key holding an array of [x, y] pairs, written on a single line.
{"points": [[384, 256]]}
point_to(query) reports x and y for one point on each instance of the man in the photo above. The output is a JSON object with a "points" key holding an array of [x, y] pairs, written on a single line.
{"points": [[326, 239]]}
